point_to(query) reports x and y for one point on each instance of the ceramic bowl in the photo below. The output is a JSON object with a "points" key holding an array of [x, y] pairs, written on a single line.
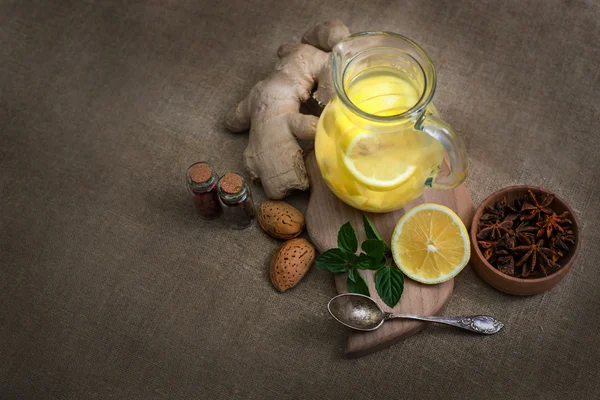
{"points": [[522, 286]]}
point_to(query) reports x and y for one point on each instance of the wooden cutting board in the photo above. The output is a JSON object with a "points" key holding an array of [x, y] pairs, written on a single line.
{"points": [[326, 214]]}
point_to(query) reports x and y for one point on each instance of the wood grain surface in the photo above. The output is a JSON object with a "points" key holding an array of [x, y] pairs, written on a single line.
{"points": [[326, 214]]}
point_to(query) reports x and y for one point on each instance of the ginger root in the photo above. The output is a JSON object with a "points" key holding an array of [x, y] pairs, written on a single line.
{"points": [[271, 110]]}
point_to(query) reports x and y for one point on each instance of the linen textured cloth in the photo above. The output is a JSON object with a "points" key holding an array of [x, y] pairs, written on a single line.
{"points": [[112, 287]]}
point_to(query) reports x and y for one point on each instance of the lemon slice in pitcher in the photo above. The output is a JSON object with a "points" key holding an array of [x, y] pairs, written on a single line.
{"points": [[377, 161], [430, 244]]}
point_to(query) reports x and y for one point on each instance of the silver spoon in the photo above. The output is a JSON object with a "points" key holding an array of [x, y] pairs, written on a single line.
{"points": [[360, 312]]}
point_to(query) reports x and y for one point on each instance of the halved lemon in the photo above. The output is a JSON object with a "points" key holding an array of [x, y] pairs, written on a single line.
{"points": [[430, 244], [378, 161]]}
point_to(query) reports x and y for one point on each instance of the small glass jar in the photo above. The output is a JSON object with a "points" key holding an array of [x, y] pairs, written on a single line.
{"points": [[236, 198], [202, 184]]}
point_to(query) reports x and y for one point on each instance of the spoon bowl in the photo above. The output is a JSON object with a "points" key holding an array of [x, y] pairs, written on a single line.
{"points": [[356, 311]]}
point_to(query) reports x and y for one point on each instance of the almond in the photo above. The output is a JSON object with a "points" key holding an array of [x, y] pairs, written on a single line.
{"points": [[290, 263], [280, 220]]}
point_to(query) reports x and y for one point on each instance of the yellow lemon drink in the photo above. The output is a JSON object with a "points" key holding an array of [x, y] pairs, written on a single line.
{"points": [[376, 166]]}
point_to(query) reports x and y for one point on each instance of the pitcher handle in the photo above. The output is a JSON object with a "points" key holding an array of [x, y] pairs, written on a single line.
{"points": [[455, 149]]}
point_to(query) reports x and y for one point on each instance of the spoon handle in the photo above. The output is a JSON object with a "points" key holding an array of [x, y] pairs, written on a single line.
{"points": [[475, 323]]}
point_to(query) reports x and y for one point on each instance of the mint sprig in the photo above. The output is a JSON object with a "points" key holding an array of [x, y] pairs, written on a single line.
{"points": [[375, 255]]}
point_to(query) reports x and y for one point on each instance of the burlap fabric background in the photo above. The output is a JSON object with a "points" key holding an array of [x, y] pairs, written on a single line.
{"points": [[111, 287]]}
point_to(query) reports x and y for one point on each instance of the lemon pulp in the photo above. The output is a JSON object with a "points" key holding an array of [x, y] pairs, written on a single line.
{"points": [[376, 166], [430, 244]]}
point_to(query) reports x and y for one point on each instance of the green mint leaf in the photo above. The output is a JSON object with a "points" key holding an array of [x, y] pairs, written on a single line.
{"points": [[347, 239], [356, 283], [370, 230], [366, 262], [371, 233], [352, 272], [333, 260], [389, 282], [374, 248]]}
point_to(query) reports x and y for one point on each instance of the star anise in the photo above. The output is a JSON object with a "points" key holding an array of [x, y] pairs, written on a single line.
{"points": [[493, 249], [502, 210], [561, 240], [494, 230], [495, 212], [506, 265], [489, 248], [512, 210], [514, 207], [525, 229], [540, 258], [553, 222], [535, 208], [508, 242]]}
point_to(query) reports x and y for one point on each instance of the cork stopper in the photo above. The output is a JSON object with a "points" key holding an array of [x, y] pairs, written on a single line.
{"points": [[200, 173], [231, 183]]}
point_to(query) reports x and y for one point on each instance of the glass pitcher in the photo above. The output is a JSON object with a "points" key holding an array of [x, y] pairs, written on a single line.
{"points": [[379, 141]]}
